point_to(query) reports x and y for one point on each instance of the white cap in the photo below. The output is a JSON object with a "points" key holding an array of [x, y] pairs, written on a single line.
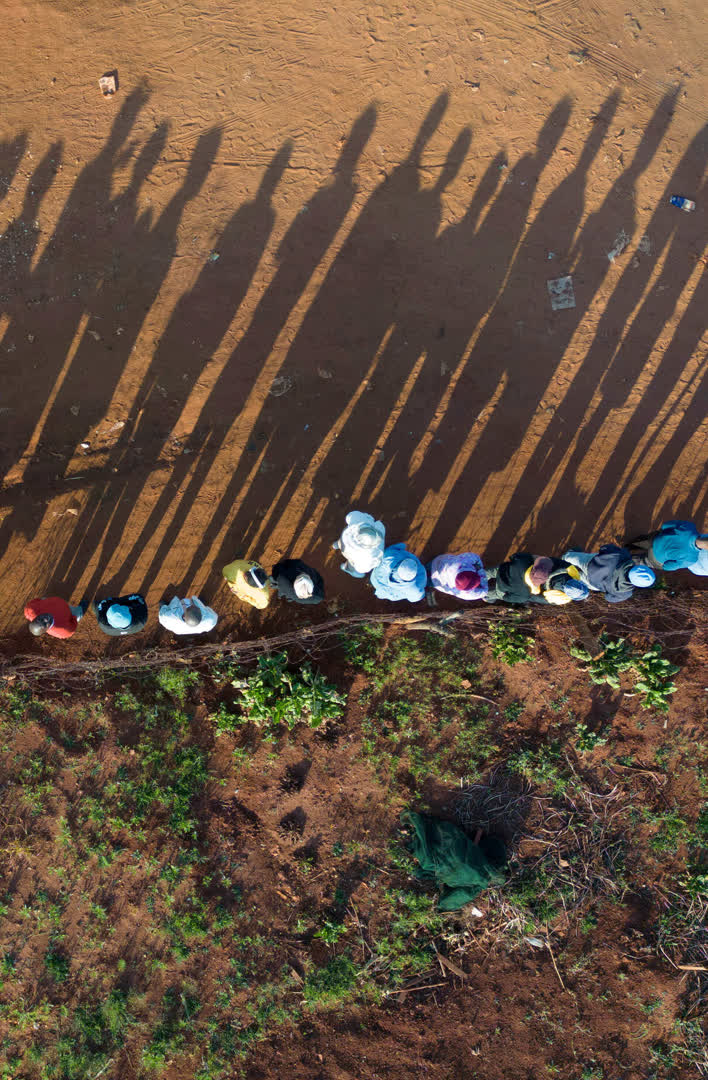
{"points": [[118, 616], [303, 586], [407, 569], [367, 535]]}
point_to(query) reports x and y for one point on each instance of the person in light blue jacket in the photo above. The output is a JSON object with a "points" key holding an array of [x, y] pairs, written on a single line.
{"points": [[677, 545], [399, 576]]}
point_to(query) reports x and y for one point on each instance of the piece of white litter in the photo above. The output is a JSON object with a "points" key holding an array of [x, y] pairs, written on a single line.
{"points": [[561, 293], [621, 241], [537, 942]]}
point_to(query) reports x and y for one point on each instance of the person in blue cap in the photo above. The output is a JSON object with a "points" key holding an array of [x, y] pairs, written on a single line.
{"points": [[399, 576], [611, 571], [121, 615], [677, 545]]}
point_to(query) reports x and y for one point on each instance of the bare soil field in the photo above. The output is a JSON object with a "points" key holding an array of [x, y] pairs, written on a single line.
{"points": [[200, 885], [300, 260]]}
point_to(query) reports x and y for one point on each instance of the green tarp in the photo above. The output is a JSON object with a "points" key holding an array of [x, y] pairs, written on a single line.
{"points": [[447, 856]]}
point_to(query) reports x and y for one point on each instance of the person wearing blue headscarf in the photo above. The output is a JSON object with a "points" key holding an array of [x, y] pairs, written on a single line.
{"points": [[399, 576], [677, 545]]}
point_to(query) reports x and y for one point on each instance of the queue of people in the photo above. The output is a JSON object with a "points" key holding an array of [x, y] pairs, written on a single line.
{"points": [[396, 574]]}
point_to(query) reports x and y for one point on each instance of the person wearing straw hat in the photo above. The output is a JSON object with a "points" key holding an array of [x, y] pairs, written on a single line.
{"points": [[298, 582], [399, 576], [121, 615], [361, 544]]}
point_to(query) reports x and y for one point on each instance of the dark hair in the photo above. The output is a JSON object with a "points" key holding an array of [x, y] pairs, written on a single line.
{"points": [[256, 577], [192, 615]]}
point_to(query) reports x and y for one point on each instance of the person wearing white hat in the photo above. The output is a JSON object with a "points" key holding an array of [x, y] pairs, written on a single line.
{"points": [[298, 582], [399, 576], [361, 544], [121, 615], [188, 616]]}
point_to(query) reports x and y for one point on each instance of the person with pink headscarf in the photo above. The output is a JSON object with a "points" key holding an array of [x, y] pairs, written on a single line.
{"points": [[461, 576]]}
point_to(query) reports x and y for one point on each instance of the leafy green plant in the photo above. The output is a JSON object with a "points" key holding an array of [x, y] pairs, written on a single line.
{"points": [[616, 657], [330, 932], [510, 643], [652, 672], [57, 963], [362, 647], [542, 767], [274, 695], [587, 740], [332, 983], [654, 675]]}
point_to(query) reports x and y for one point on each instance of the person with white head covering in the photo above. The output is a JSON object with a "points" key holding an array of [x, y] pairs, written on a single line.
{"points": [[188, 616], [361, 544], [298, 582], [399, 576], [121, 615]]}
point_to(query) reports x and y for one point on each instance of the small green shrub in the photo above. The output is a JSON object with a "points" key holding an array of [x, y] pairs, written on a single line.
{"points": [[332, 983], [57, 963], [586, 739], [362, 646], [654, 675], [541, 767], [273, 695], [652, 672], [616, 657], [510, 644]]}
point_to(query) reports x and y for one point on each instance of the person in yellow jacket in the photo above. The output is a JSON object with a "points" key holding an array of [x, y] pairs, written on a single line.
{"points": [[249, 582]]}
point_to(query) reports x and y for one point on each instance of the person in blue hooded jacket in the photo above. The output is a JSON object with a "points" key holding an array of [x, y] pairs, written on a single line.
{"points": [[399, 576], [677, 545]]}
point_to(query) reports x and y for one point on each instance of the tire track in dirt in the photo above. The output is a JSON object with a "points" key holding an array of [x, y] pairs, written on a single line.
{"points": [[511, 17]]}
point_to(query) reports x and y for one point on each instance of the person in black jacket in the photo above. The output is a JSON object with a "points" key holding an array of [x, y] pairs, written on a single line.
{"points": [[121, 615], [298, 582], [519, 580]]}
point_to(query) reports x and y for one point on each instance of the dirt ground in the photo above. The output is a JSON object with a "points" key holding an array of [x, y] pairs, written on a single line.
{"points": [[216, 889], [299, 262]]}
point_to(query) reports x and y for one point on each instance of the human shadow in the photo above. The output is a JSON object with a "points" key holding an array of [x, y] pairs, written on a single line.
{"points": [[202, 317], [63, 284], [517, 354], [482, 255], [251, 370], [605, 365], [11, 153], [147, 251], [341, 342], [364, 423], [626, 369]]}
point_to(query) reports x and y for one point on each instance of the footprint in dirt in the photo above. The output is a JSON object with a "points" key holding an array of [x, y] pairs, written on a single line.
{"points": [[295, 776], [295, 821]]}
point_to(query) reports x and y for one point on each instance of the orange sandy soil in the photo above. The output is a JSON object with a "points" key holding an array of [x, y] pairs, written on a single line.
{"points": [[299, 263]]}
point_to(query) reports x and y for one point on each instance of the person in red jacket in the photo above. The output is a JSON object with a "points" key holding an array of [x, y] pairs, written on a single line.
{"points": [[53, 616]]}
